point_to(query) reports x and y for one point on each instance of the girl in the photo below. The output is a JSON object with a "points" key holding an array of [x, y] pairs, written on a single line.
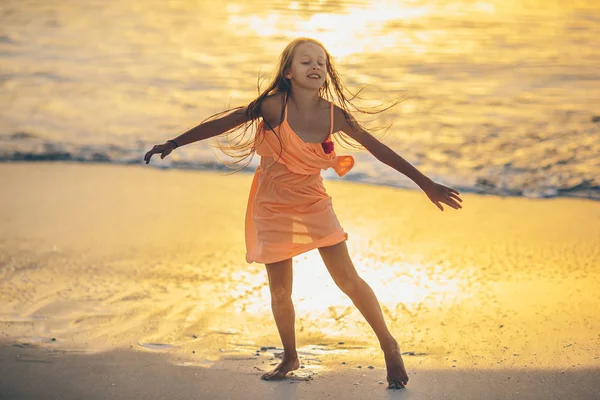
{"points": [[289, 211]]}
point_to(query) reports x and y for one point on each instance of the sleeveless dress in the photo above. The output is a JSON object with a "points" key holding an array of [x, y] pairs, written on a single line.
{"points": [[289, 212]]}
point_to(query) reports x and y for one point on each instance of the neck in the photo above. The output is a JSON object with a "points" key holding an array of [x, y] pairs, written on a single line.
{"points": [[304, 99]]}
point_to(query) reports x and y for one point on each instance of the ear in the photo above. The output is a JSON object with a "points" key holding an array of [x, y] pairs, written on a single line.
{"points": [[288, 74]]}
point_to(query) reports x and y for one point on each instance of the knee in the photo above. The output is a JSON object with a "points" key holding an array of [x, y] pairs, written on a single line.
{"points": [[280, 294], [349, 284]]}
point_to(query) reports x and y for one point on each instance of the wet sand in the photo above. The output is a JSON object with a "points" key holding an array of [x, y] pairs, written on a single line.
{"points": [[135, 276]]}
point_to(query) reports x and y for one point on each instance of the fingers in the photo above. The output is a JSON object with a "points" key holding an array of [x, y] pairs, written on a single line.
{"points": [[445, 195], [148, 156], [452, 193], [157, 149], [451, 198], [165, 153], [455, 197], [449, 189], [449, 201]]}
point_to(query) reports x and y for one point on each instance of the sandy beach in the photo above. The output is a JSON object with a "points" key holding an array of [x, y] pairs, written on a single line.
{"points": [[130, 282]]}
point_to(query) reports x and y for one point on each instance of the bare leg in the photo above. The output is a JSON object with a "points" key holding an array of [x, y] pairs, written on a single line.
{"points": [[340, 266], [280, 284]]}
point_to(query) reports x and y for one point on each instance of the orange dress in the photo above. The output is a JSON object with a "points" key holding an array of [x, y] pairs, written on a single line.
{"points": [[289, 212]]}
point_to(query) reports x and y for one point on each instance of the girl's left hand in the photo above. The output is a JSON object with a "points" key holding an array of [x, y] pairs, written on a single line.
{"points": [[441, 194]]}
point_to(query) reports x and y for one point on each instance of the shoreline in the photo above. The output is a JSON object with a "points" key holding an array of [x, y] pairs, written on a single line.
{"points": [[217, 168]]}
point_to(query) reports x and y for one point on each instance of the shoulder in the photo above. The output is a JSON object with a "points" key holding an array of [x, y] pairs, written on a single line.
{"points": [[271, 108], [342, 120]]}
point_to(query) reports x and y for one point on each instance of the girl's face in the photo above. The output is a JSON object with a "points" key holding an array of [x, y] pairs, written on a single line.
{"points": [[309, 66]]}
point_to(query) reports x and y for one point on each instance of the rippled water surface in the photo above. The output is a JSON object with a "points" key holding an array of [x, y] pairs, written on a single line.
{"points": [[503, 95]]}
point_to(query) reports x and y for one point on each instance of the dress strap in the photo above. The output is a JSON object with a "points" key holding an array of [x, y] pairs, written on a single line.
{"points": [[330, 120], [285, 104]]}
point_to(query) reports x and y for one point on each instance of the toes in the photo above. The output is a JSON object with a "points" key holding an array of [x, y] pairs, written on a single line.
{"points": [[395, 385], [273, 376], [268, 376]]}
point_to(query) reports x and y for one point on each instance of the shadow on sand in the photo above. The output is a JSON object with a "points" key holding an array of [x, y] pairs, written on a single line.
{"points": [[38, 373]]}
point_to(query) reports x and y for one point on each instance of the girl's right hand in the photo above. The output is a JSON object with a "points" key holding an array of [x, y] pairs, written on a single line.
{"points": [[165, 149]]}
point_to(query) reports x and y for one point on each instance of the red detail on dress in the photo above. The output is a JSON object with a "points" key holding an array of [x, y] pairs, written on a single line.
{"points": [[327, 147]]}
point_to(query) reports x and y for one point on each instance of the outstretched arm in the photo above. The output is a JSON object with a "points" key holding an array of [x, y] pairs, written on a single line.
{"points": [[203, 131], [212, 128], [437, 193]]}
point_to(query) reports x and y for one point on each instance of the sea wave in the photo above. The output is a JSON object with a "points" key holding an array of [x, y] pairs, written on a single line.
{"points": [[554, 177]]}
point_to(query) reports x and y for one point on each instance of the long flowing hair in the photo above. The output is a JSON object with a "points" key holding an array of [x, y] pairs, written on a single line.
{"points": [[239, 143]]}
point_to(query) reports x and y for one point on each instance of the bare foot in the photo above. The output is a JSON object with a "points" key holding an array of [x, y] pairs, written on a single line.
{"points": [[396, 374], [282, 369]]}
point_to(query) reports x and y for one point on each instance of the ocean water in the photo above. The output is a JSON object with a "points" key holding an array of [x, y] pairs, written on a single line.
{"points": [[503, 96]]}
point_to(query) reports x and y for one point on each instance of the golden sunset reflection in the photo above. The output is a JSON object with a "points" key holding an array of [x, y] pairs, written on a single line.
{"points": [[501, 103], [403, 287], [343, 33], [399, 287]]}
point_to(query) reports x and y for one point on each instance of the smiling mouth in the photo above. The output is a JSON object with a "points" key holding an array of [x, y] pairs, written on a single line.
{"points": [[314, 76]]}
